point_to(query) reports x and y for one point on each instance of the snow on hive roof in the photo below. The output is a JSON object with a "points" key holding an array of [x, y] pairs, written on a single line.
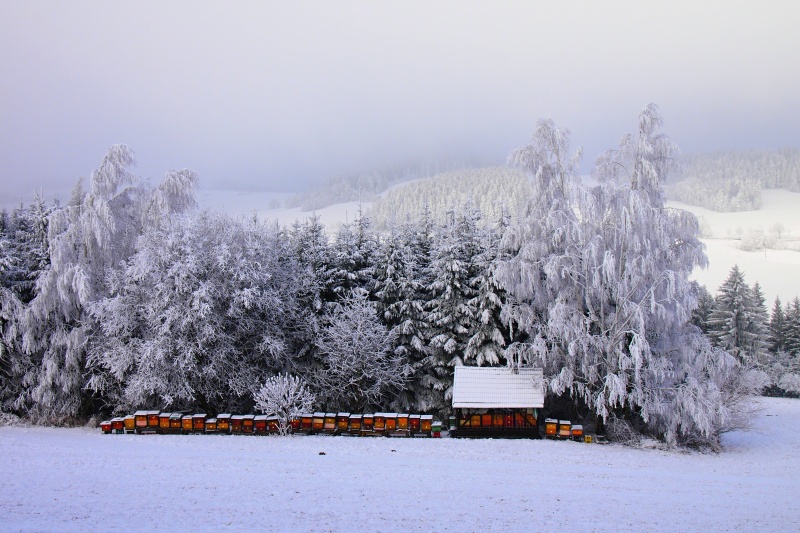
{"points": [[487, 387]]}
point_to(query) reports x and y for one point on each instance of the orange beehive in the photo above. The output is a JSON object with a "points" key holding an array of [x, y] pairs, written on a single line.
{"points": [[354, 424], [486, 420], [379, 423], [224, 423], [163, 422], [367, 424], [273, 424], [130, 423], [307, 422], [318, 422], [296, 421], [426, 423], [175, 422], [199, 423], [402, 422], [140, 418], [550, 427], [342, 422], [211, 425], [186, 424], [153, 419], [498, 420], [564, 429], [329, 426], [577, 433], [248, 423]]}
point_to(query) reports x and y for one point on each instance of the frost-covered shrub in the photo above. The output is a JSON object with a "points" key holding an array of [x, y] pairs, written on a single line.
{"points": [[286, 397]]}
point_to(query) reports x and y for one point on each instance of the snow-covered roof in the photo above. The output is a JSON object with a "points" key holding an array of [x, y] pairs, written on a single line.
{"points": [[499, 387]]}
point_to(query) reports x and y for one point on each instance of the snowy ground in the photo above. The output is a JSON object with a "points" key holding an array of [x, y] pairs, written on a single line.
{"points": [[82, 480]]}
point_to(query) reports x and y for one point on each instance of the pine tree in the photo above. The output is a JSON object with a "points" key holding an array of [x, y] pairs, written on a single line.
{"points": [[777, 328], [793, 327], [705, 306], [731, 326]]}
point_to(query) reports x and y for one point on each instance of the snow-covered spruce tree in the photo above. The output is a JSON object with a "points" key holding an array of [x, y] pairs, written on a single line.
{"points": [[736, 324], [87, 240], [777, 328], [353, 256], [357, 369], [23, 258], [487, 341], [705, 306], [201, 314], [793, 327], [599, 281], [286, 397], [450, 316]]}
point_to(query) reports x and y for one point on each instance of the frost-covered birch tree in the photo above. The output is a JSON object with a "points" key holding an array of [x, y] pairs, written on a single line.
{"points": [[599, 282]]}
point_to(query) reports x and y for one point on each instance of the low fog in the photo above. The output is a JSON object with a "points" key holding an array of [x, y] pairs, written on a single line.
{"points": [[278, 96]]}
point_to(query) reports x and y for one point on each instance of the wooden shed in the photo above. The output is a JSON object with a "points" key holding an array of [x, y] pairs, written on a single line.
{"points": [[497, 401]]}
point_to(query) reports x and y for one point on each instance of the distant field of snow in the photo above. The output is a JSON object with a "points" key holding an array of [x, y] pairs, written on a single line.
{"points": [[82, 480], [778, 271]]}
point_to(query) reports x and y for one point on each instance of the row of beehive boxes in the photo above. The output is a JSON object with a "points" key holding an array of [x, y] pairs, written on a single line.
{"points": [[389, 424], [563, 429]]}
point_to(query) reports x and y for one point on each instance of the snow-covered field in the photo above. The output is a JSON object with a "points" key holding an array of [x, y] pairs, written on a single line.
{"points": [[82, 480], [777, 271]]}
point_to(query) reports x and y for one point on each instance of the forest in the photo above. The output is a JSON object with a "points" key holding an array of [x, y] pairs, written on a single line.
{"points": [[128, 297], [732, 181]]}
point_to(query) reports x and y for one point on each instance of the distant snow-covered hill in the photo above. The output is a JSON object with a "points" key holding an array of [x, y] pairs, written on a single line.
{"points": [[776, 267]]}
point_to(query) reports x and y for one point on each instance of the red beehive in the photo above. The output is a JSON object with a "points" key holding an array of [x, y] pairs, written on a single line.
{"points": [[414, 424], [118, 425], [296, 424], [105, 426], [273, 424], [307, 422], [236, 424], [260, 424]]}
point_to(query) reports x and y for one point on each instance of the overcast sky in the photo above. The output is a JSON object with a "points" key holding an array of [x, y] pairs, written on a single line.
{"points": [[277, 95]]}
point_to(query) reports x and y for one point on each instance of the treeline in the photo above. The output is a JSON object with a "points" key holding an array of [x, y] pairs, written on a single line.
{"points": [[497, 192], [140, 302], [732, 181], [736, 319], [365, 186]]}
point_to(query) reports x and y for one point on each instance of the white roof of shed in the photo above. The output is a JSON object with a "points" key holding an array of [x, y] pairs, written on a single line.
{"points": [[499, 387]]}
